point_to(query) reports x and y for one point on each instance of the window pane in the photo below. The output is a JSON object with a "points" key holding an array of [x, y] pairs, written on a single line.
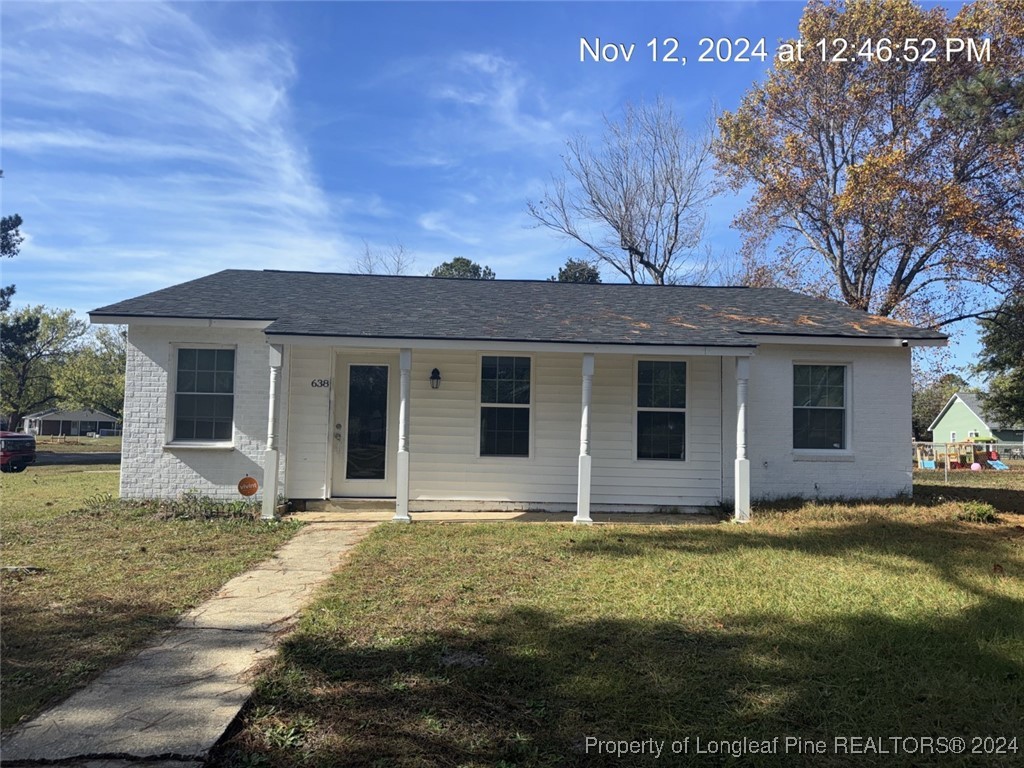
{"points": [[819, 386], [834, 397], [521, 392], [505, 380], [206, 359], [223, 406], [489, 368], [186, 381], [205, 406], [488, 391], [819, 428], [203, 401], [505, 391], [504, 431], [185, 406], [506, 368], [661, 435], [661, 384]]}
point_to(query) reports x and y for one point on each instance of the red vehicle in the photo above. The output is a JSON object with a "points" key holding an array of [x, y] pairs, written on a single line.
{"points": [[17, 451]]}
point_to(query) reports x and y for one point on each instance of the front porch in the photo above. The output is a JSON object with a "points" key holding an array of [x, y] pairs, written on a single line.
{"points": [[577, 440]]}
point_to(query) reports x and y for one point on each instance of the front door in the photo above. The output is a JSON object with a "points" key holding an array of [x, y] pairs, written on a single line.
{"points": [[364, 428]]}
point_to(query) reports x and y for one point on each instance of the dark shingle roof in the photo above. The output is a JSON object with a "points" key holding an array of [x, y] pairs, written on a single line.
{"points": [[318, 304]]}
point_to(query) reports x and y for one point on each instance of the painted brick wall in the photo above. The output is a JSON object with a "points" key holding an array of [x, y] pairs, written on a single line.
{"points": [[149, 467], [879, 463]]}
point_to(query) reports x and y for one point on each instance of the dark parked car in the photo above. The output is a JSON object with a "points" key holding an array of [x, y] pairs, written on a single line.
{"points": [[17, 451]]}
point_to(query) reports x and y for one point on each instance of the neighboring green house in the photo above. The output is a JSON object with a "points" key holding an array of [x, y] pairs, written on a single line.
{"points": [[964, 417]]}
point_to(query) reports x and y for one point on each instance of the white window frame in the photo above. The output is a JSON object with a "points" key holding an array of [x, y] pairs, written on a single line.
{"points": [[637, 409], [835, 454], [172, 390], [973, 433], [481, 404], [952, 436]]}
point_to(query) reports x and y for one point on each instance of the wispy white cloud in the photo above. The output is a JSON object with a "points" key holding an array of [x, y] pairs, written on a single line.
{"points": [[135, 135], [481, 103]]}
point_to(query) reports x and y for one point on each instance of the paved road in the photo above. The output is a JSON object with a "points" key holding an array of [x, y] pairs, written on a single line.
{"points": [[44, 458]]}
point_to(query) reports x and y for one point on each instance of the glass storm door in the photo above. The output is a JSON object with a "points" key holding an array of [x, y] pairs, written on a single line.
{"points": [[365, 421], [367, 449]]}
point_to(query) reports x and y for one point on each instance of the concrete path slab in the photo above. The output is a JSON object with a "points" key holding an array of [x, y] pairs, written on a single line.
{"points": [[174, 699]]}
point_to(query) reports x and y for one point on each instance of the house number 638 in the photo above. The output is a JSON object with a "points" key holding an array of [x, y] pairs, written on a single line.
{"points": [[317, 383]]}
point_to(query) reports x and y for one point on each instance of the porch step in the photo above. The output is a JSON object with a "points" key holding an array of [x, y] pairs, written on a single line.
{"points": [[351, 505]]}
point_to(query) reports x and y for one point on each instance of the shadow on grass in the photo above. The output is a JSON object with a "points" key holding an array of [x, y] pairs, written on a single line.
{"points": [[1002, 499], [943, 547], [49, 651], [528, 687]]}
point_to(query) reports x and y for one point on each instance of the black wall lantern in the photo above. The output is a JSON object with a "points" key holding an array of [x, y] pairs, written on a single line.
{"points": [[435, 379]]}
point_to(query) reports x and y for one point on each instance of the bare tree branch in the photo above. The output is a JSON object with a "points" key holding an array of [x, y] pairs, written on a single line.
{"points": [[638, 201]]}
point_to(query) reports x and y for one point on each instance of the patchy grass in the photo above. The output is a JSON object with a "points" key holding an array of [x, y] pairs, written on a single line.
{"points": [[1004, 490], [112, 575], [510, 644], [49, 444]]}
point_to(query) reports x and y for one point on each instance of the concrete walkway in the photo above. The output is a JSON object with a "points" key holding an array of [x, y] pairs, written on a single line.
{"points": [[173, 700]]}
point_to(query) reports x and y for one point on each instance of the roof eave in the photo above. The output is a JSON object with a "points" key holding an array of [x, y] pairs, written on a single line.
{"points": [[179, 320]]}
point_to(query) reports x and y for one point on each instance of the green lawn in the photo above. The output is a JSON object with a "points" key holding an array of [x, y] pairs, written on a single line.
{"points": [[112, 576], [511, 644], [51, 444]]}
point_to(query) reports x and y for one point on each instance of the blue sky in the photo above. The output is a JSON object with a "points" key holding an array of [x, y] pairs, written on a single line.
{"points": [[149, 143]]}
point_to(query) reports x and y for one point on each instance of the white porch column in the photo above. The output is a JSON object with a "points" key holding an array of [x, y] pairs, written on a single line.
{"points": [[741, 490], [402, 480], [583, 485], [270, 456]]}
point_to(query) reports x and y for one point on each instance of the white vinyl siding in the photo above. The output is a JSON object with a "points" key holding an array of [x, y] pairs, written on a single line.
{"points": [[309, 425], [618, 477]]}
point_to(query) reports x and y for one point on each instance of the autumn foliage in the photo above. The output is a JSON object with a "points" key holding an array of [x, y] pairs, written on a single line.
{"points": [[894, 186]]}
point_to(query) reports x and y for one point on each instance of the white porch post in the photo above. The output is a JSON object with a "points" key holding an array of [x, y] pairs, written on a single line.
{"points": [[270, 456], [402, 480], [583, 486], [741, 496]]}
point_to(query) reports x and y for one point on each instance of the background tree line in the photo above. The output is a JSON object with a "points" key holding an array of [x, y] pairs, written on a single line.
{"points": [[49, 357]]}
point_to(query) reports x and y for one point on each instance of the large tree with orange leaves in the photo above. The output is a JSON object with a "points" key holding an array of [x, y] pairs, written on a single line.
{"points": [[893, 185]]}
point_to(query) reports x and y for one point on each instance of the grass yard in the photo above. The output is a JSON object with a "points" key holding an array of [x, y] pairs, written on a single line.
{"points": [[50, 444], [510, 644], [111, 577]]}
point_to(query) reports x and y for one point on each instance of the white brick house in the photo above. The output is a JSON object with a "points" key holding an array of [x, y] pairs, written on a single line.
{"points": [[445, 394]]}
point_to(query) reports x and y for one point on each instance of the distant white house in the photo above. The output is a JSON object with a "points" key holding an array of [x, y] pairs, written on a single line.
{"points": [[488, 394], [70, 423]]}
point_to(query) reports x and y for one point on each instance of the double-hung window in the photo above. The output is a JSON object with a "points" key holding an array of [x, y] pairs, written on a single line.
{"points": [[819, 407], [504, 406], [661, 409], [204, 394]]}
